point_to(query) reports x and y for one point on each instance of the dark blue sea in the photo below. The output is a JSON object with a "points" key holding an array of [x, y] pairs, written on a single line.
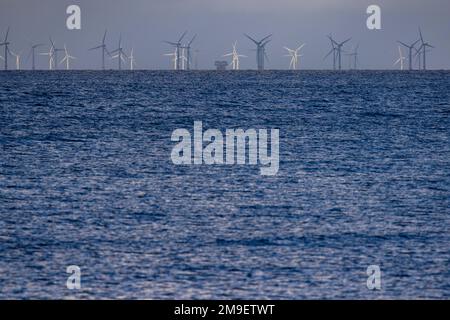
{"points": [[86, 179]]}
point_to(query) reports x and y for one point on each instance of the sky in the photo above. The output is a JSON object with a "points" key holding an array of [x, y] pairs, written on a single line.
{"points": [[145, 24]]}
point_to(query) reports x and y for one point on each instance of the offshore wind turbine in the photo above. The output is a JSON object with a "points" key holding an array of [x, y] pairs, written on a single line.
{"points": [[33, 53], [6, 44], [294, 54], [423, 48], [67, 58], [17, 56], [410, 48], [260, 50], [55, 54], [337, 50], [50, 55], [178, 48], [235, 57], [188, 53], [104, 49], [120, 54], [174, 55], [132, 60], [418, 56], [183, 59], [332, 51], [401, 58], [354, 55]]}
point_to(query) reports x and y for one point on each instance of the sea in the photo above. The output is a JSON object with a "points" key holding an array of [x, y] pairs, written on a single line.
{"points": [[87, 180]]}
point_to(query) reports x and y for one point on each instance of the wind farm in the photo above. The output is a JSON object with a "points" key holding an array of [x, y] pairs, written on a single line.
{"points": [[182, 57]]}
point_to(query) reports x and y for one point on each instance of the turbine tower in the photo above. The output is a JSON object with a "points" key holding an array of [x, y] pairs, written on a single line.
{"points": [[235, 57], [188, 53], [6, 44], [410, 48], [67, 58], [337, 48], [104, 50], [294, 54], [178, 48], [132, 60], [401, 58], [260, 50], [120, 54], [55, 54], [423, 48], [353, 55]]}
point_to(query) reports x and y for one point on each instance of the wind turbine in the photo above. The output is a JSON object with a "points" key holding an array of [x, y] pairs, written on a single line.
{"points": [[132, 60], [120, 54], [33, 53], [6, 44], [196, 51], [260, 50], [401, 58], [423, 48], [183, 59], [410, 48], [337, 51], [354, 55], [178, 47], [104, 50], [418, 56], [50, 55], [235, 57], [294, 54], [188, 53], [17, 56], [67, 58], [55, 54], [174, 55]]}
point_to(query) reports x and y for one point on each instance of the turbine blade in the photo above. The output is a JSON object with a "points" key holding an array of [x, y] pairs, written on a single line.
{"points": [[300, 47], [342, 43], [331, 51], [192, 40], [182, 36], [7, 33], [263, 44], [104, 37], [265, 38], [97, 47], [256, 42]]}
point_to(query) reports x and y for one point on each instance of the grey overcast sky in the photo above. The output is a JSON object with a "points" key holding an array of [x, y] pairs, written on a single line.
{"points": [[144, 24]]}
